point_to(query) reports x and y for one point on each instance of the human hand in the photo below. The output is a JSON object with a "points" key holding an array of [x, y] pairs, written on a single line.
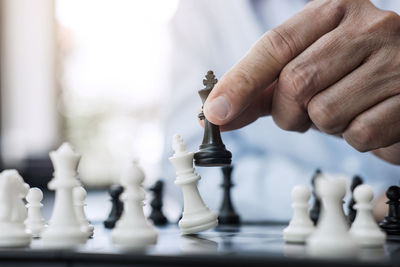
{"points": [[334, 66]]}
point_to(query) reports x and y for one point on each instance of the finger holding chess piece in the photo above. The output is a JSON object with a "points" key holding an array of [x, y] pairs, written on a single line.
{"points": [[212, 151]]}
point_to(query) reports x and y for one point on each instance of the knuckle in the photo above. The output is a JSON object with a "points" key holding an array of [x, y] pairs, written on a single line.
{"points": [[278, 45], [245, 82], [324, 115], [360, 135], [296, 81], [383, 22]]}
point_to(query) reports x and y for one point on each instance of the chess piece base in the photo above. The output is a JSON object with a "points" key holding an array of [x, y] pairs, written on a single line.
{"points": [[391, 228], [229, 219], [63, 237], [158, 218], [134, 237], [13, 236], [211, 155], [369, 237], [36, 229], [335, 246], [194, 223], [297, 234]]}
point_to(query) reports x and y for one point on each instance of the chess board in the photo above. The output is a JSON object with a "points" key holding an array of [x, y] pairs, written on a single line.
{"points": [[248, 245]]}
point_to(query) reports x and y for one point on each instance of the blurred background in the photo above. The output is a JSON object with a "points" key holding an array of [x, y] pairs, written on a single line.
{"points": [[118, 78], [87, 72]]}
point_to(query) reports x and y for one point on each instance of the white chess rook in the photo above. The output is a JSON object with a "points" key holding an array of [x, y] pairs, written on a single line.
{"points": [[133, 229], [35, 223], [364, 229], [12, 210], [79, 203], [64, 230], [196, 216], [331, 239], [300, 226]]}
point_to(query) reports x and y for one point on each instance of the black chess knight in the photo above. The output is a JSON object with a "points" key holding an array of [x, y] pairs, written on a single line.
{"points": [[156, 204], [391, 223], [212, 151], [316, 208], [227, 214], [115, 192]]}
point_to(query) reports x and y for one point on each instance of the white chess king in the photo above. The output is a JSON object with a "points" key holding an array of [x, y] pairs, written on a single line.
{"points": [[133, 229], [196, 216], [64, 230]]}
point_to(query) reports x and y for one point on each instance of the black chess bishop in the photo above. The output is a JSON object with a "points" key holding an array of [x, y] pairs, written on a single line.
{"points": [[212, 151]]}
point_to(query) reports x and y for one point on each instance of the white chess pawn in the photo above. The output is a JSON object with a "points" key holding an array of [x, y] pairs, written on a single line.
{"points": [[64, 230], [196, 216], [12, 210], [331, 238], [79, 204], [300, 226], [133, 229], [34, 222], [364, 229]]}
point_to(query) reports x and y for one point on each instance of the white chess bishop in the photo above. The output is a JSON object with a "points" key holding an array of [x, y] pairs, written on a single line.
{"points": [[12, 210], [64, 230], [133, 229], [300, 226], [80, 194], [364, 229], [34, 222], [196, 216], [331, 239]]}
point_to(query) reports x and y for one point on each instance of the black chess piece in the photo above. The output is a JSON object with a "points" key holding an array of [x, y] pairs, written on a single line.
{"points": [[391, 223], [156, 204], [357, 180], [115, 192], [212, 151], [227, 213], [316, 208]]}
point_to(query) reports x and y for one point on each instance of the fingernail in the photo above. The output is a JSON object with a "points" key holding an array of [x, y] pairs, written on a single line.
{"points": [[219, 108]]}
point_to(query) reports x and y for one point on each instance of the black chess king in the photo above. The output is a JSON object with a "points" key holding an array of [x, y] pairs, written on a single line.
{"points": [[212, 151]]}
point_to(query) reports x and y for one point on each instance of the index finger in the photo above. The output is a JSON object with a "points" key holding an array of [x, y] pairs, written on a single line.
{"points": [[263, 63]]}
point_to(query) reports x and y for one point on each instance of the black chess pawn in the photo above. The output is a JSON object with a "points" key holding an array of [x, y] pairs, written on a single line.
{"points": [[352, 212], [115, 192], [391, 223], [227, 213], [156, 204], [212, 151], [316, 207]]}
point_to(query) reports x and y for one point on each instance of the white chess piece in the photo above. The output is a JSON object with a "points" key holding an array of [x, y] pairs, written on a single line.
{"points": [[196, 216], [34, 222], [364, 229], [300, 226], [12, 210], [79, 203], [331, 238], [64, 230], [133, 229]]}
